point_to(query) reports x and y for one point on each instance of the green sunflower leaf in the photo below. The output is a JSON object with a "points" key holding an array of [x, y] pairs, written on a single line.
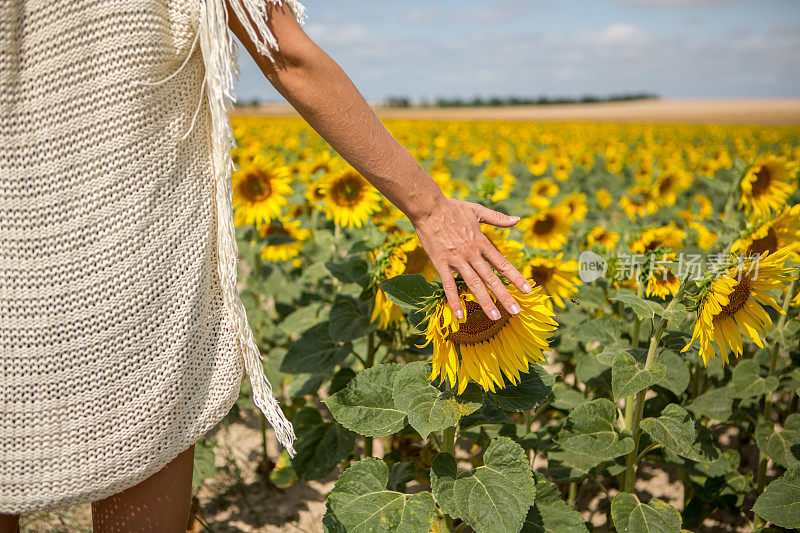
{"points": [[628, 377], [641, 307], [366, 406], [590, 430], [679, 433], [631, 515], [428, 408], [533, 389], [716, 404], [320, 445], [494, 498], [315, 352], [353, 269], [783, 447], [780, 501], [747, 383], [350, 319], [550, 513], [360, 502], [408, 290]]}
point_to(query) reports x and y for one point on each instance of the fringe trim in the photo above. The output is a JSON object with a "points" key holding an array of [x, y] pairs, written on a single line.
{"points": [[220, 56]]}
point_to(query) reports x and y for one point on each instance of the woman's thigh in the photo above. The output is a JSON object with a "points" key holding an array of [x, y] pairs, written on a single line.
{"points": [[9, 523], [160, 503]]}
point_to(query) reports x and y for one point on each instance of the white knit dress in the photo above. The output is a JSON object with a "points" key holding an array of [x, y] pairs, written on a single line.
{"points": [[122, 336]]}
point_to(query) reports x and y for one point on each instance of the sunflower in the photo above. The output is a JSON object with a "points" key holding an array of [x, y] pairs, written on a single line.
{"points": [[542, 191], [349, 198], [670, 236], [639, 202], [733, 304], [548, 229], [662, 282], [576, 203], [558, 278], [603, 198], [259, 190], [403, 255], [288, 239], [669, 184], [781, 231], [600, 235], [508, 248], [767, 184], [486, 350], [705, 237], [537, 164]]}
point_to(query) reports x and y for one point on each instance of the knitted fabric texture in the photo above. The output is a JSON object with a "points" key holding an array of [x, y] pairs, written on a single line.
{"points": [[122, 335]]}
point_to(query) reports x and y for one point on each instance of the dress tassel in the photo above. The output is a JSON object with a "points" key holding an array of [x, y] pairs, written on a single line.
{"points": [[220, 56]]}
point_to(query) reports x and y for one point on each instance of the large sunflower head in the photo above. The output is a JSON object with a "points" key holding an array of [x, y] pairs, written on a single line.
{"points": [[483, 350], [547, 229], [767, 184], [732, 305], [259, 190], [349, 198], [558, 278], [773, 234]]}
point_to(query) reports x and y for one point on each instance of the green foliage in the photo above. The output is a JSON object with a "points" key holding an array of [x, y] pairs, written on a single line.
{"points": [[550, 513], [428, 408], [408, 290], [366, 405], [494, 497], [320, 445], [361, 502], [780, 502], [315, 351], [783, 447], [631, 515], [590, 430], [628, 377]]}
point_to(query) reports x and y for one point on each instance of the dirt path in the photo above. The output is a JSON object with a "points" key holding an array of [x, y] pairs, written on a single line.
{"points": [[707, 111]]}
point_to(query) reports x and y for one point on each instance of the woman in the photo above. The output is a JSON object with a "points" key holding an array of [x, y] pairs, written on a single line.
{"points": [[123, 338]]}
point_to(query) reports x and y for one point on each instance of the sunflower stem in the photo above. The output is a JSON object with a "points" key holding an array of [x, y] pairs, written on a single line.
{"points": [[773, 363], [449, 440], [369, 363], [571, 493], [632, 459], [637, 326]]}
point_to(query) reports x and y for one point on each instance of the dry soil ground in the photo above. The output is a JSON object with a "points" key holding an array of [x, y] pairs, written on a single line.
{"points": [[753, 111]]}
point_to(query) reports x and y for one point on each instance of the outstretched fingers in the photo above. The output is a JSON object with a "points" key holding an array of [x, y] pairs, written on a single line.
{"points": [[504, 266], [495, 218]]}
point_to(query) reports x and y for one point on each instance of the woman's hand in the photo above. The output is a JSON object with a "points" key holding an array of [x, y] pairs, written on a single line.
{"points": [[451, 235]]}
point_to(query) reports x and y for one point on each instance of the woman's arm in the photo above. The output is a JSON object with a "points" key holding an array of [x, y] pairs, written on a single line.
{"points": [[448, 229]]}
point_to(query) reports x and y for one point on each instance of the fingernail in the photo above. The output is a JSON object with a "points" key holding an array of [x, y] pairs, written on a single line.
{"points": [[459, 314], [495, 314], [527, 287], [515, 218], [515, 309]]}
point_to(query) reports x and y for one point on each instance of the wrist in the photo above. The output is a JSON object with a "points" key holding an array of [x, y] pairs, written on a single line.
{"points": [[422, 199]]}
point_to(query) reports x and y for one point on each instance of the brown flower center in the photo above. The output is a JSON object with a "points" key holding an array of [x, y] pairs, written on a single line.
{"points": [[763, 180], [416, 261], [544, 225], [256, 186], [737, 298], [767, 243], [478, 327], [541, 275], [348, 191]]}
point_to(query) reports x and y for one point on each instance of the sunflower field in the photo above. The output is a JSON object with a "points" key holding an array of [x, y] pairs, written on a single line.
{"points": [[659, 340]]}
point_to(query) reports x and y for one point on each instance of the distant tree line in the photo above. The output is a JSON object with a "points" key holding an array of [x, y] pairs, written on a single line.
{"points": [[498, 101]]}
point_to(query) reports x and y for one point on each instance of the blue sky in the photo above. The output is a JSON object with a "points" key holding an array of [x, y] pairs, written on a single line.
{"points": [[466, 48]]}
